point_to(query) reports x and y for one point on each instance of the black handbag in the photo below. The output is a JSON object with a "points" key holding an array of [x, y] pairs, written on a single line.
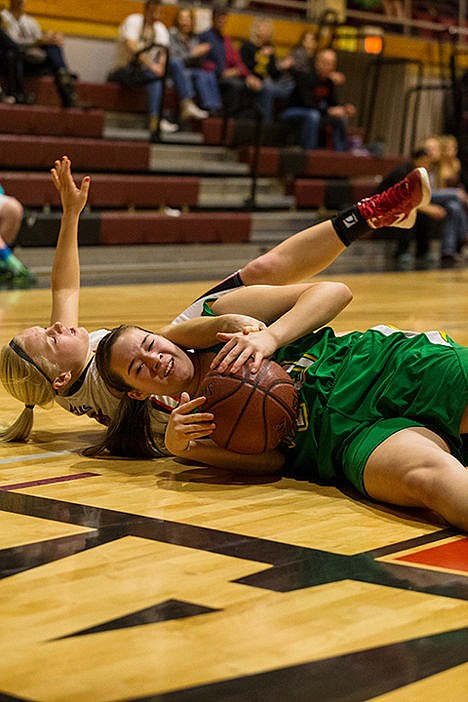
{"points": [[134, 74], [130, 75]]}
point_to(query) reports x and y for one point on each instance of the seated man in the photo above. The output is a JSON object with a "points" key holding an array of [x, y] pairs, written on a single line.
{"points": [[313, 102], [38, 51]]}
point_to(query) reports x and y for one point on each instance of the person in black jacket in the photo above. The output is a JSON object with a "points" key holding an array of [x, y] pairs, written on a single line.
{"points": [[313, 103], [259, 55]]}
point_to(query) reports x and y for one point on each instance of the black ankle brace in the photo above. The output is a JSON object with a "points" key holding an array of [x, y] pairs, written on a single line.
{"points": [[350, 225]]}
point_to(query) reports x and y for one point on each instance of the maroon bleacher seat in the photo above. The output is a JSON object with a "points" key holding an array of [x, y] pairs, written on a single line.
{"points": [[331, 193], [50, 121], [110, 190], [154, 228], [106, 96], [334, 163], [93, 154]]}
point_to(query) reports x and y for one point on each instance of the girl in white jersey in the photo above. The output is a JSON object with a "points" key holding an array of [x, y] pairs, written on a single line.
{"points": [[42, 365]]}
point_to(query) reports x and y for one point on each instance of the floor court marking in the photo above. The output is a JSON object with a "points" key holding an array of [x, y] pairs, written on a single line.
{"points": [[34, 456], [48, 481]]}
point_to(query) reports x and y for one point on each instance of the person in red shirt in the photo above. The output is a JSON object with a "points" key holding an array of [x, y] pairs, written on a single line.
{"points": [[236, 83]]}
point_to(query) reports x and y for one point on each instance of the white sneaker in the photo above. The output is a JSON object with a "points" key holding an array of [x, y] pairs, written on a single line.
{"points": [[171, 212], [192, 111], [168, 127]]}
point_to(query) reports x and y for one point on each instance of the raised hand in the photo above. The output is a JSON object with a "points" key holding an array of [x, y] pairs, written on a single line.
{"points": [[73, 198]]}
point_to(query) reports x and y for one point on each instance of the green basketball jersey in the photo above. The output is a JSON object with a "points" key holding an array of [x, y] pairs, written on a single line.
{"points": [[359, 388]]}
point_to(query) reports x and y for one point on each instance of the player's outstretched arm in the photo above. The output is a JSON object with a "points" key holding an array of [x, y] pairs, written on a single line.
{"points": [[201, 332], [65, 278]]}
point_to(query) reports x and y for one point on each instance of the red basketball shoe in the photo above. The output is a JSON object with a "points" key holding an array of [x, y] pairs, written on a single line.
{"points": [[396, 207]]}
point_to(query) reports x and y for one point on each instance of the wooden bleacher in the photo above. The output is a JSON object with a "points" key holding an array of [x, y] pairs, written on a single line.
{"points": [[128, 194]]}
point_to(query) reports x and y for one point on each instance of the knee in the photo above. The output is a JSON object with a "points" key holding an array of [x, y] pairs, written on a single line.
{"points": [[262, 269], [425, 483], [312, 118], [12, 209]]}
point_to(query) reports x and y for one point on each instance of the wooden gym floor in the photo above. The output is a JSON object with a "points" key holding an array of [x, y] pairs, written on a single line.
{"points": [[139, 580]]}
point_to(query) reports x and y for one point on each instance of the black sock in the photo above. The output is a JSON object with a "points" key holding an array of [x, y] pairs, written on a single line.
{"points": [[350, 225]]}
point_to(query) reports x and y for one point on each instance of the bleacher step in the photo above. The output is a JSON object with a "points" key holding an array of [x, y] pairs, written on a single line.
{"points": [[194, 262], [124, 133], [206, 161]]}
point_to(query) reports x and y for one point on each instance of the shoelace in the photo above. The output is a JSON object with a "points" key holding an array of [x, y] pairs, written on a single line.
{"points": [[384, 202]]}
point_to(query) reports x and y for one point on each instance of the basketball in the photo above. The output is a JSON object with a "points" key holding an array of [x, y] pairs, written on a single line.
{"points": [[253, 412]]}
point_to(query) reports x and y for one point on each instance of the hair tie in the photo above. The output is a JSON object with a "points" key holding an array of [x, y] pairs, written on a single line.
{"points": [[29, 407]]}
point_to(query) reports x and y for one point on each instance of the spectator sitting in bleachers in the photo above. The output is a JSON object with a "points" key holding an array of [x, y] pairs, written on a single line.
{"points": [[428, 217], [39, 52], [450, 167], [13, 273], [186, 46], [237, 84], [259, 55], [301, 58], [13, 89], [313, 103], [303, 53], [450, 203], [143, 45]]}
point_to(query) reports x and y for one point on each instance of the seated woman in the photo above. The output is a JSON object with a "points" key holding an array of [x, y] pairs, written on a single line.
{"points": [[143, 60], [186, 47]]}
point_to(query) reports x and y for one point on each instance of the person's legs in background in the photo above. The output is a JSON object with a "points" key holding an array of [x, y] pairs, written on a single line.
{"points": [[154, 96], [454, 227], [233, 92], [310, 123], [207, 89], [13, 273], [340, 135], [185, 93], [54, 61], [269, 94]]}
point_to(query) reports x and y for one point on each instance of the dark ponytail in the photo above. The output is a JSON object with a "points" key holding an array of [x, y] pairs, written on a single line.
{"points": [[130, 434]]}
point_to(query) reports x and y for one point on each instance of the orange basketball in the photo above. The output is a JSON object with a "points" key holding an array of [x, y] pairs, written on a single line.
{"points": [[253, 412]]}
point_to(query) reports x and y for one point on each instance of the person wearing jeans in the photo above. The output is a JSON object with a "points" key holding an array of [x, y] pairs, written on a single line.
{"points": [[143, 44], [313, 103]]}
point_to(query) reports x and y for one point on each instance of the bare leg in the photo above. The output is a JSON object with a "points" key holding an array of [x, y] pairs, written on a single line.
{"points": [[302, 255], [414, 468], [11, 215], [314, 248], [13, 273]]}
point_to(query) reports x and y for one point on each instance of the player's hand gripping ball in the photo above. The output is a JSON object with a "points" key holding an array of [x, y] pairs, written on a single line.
{"points": [[253, 412]]}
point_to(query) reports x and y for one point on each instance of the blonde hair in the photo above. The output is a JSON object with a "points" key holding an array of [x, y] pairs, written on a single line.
{"points": [[26, 382], [260, 23]]}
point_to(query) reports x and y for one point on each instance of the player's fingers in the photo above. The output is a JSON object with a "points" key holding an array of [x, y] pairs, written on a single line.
{"points": [[198, 418], [258, 358], [218, 359], [85, 183], [186, 407], [200, 433], [240, 360]]}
